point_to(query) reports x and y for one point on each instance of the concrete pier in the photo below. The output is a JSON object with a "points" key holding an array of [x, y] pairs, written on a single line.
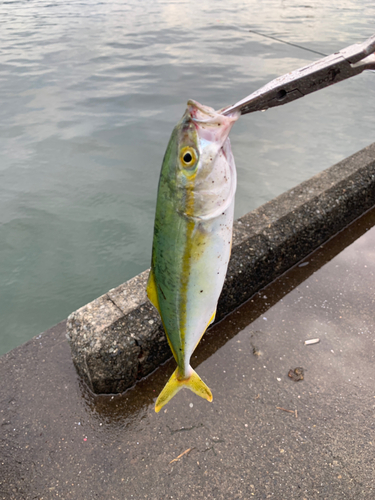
{"points": [[118, 338]]}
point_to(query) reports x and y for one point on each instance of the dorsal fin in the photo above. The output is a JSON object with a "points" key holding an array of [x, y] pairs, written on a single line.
{"points": [[152, 294], [151, 289]]}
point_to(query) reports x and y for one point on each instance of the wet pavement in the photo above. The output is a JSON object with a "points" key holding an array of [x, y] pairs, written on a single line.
{"points": [[264, 436]]}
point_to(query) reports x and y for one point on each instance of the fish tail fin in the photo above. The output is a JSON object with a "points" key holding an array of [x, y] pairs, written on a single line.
{"points": [[174, 384]]}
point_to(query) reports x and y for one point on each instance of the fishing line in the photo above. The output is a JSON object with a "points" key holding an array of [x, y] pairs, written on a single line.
{"points": [[288, 43]]}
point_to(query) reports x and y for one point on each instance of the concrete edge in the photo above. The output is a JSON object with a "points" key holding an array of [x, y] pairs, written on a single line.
{"points": [[118, 338]]}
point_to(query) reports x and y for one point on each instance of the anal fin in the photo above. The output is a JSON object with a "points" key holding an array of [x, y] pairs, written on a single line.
{"points": [[212, 319]]}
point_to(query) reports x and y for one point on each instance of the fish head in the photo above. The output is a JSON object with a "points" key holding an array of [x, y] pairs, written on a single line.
{"points": [[205, 171]]}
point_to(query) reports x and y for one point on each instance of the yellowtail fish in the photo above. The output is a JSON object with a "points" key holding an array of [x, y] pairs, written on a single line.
{"points": [[192, 237]]}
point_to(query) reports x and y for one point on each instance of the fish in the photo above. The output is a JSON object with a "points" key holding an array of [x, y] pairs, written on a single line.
{"points": [[192, 237]]}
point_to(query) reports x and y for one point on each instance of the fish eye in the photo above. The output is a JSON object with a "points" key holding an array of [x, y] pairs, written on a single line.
{"points": [[188, 157]]}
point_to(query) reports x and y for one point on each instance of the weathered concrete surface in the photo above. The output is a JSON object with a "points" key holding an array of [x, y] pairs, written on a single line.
{"points": [[58, 440], [118, 338]]}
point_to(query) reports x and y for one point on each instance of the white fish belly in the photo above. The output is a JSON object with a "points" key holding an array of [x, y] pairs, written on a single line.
{"points": [[207, 274]]}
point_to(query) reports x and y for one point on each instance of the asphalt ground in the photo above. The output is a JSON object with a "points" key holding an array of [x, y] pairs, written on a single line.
{"points": [[266, 435]]}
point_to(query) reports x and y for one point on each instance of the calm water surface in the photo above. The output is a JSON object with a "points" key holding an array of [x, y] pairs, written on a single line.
{"points": [[89, 94]]}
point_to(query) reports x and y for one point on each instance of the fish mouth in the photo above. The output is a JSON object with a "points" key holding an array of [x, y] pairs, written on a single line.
{"points": [[199, 112], [210, 124]]}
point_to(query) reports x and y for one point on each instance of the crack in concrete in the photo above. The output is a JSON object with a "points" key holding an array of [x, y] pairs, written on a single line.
{"points": [[114, 303], [184, 429]]}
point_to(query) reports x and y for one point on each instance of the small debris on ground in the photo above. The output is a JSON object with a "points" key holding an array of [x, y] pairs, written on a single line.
{"points": [[256, 351], [296, 374], [179, 456], [312, 341], [288, 411]]}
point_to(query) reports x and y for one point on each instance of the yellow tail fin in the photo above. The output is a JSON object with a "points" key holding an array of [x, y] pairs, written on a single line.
{"points": [[174, 384]]}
